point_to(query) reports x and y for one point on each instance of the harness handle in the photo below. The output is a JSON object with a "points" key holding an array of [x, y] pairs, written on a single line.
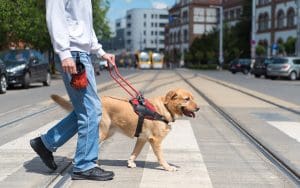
{"points": [[115, 74]]}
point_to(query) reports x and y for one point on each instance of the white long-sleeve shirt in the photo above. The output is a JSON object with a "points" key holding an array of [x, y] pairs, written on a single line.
{"points": [[70, 25]]}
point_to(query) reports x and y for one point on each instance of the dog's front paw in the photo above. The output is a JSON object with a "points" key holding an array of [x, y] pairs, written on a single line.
{"points": [[131, 164], [171, 168]]}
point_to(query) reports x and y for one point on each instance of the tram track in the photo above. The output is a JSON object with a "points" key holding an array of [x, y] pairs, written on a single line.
{"points": [[286, 169]]}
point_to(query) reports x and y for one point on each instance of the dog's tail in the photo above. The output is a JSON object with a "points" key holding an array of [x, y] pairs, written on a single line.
{"points": [[62, 102]]}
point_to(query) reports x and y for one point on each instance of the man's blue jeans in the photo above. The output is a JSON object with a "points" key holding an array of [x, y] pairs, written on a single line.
{"points": [[84, 120]]}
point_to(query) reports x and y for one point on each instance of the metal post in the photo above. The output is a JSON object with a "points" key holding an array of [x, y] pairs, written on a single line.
{"points": [[253, 30], [221, 58], [298, 28]]}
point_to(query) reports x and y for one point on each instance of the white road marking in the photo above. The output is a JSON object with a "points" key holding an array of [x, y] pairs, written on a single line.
{"points": [[180, 148], [13, 154], [290, 128]]}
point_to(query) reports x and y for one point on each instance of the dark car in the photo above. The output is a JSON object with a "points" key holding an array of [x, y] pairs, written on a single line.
{"points": [[25, 67], [240, 65], [260, 66], [95, 62], [3, 77]]}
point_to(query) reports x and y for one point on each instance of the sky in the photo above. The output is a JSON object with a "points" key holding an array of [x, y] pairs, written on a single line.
{"points": [[118, 8]]}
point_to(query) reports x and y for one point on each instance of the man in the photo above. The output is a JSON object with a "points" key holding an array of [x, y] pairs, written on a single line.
{"points": [[70, 26]]}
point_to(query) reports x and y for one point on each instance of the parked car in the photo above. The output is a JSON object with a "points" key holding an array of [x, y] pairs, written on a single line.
{"points": [[3, 77], [103, 64], [95, 62], [284, 67], [240, 65], [25, 67], [260, 66]]}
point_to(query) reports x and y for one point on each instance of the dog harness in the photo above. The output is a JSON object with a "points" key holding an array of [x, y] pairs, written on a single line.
{"points": [[142, 107], [145, 110]]}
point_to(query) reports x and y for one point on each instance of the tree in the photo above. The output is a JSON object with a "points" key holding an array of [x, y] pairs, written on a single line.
{"points": [[24, 21], [290, 45]]}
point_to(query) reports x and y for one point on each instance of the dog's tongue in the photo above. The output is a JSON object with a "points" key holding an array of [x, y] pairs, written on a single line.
{"points": [[189, 114], [193, 114]]}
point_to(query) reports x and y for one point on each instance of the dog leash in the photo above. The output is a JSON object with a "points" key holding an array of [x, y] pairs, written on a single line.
{"points": [[142, 107]]}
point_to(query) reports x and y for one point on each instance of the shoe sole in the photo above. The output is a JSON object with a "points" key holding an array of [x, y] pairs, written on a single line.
{"points": [[79, 177], [32, 144]]}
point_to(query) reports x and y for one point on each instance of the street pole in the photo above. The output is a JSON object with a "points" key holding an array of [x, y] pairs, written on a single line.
{"points": [[221, 57], [253, 30], [298, 28]]}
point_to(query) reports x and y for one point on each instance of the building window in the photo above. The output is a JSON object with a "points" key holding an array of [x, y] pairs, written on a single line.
{"points": [[263, 22], [238, 13], [162, 25], [179, 38], [291, 17], [145, 15], [145, 24], [185, 35], [226, 15], [128, 25], [185, 16], [129, 16], [280, 19], [145, 33], [231, 15]]}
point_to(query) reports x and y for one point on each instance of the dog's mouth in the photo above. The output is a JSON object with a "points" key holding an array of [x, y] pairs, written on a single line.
{"points": [[187, 112]]}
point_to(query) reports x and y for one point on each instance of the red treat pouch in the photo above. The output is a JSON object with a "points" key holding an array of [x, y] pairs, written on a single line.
{"points": [[79, 80]]}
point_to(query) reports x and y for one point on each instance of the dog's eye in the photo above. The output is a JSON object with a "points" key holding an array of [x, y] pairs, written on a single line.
{"points": [[187, 99]]}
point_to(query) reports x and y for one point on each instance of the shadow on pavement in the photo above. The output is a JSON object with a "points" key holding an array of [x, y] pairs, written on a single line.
{"points": [[37, 166], [139, 164]]}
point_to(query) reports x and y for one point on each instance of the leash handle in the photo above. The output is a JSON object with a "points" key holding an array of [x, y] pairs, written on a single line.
{"points": [[115, 74]]}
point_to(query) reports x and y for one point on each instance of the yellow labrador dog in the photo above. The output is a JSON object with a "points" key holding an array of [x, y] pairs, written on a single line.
{"points": [[118, 114]]}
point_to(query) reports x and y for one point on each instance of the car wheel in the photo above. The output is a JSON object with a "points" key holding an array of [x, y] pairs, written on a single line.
{"points": [[257, 75], [26, 80], [233, 72], [245, 71], [47, 81], [3, 84], [293, 76]]}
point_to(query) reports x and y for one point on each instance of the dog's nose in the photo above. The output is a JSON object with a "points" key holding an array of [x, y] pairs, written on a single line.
{"points": [[197, 109]]}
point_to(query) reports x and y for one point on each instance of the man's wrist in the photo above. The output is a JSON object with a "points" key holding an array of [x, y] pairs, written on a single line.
{"points": [[64, 55]]}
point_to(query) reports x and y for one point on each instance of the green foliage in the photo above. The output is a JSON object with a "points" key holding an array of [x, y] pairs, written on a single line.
{"points": [[290, 45], [260, 50], [25, 21], [101, 26]]}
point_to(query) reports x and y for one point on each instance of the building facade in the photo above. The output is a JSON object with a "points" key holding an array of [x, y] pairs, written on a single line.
{"points": [[189, 19], [145, 29], [233, 10], [275, 23]]}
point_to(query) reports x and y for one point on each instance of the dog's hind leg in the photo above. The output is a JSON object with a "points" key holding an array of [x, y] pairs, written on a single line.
{"points": [[105, 125], [136, 151], [156, 146]]}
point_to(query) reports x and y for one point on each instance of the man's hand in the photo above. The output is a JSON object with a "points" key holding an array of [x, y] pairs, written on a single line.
{"points": [[69, 66], [110, 58]]}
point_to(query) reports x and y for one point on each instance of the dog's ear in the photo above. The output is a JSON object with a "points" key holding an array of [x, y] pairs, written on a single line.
{"points": [[171, 95]]}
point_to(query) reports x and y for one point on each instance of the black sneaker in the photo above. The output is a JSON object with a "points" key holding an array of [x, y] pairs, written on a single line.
{"points": [[46, 155], [95, 173]]}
